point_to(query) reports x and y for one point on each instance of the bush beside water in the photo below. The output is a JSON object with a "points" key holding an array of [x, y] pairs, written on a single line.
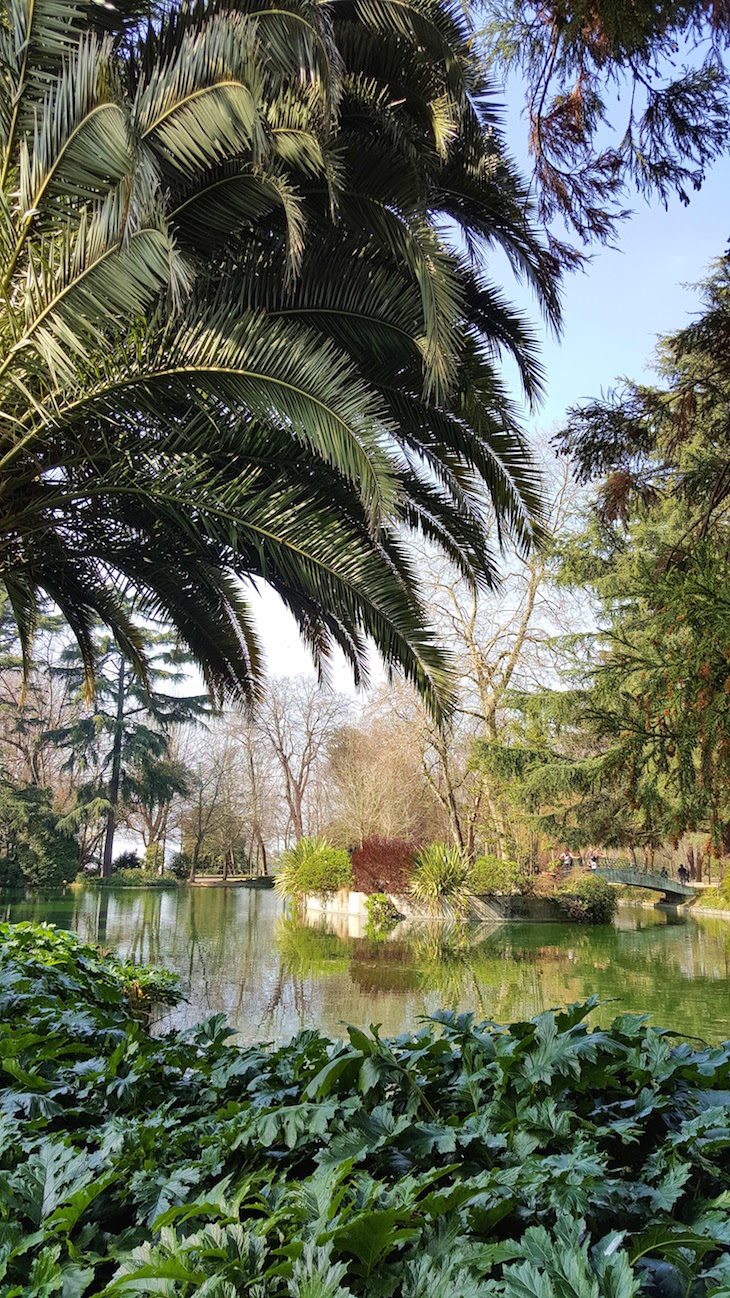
{"points": [[313, 867], [462, 1161], [439, 875], [442, 874], [382, 915], [587, 899], [493, 877], [383, 865], [134, 878]]}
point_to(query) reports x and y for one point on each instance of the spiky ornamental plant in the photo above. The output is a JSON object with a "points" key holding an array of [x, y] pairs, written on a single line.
{"points": [[246, 325]]}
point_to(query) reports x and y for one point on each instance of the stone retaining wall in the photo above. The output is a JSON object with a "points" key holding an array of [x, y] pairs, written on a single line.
{"points": [[533, 910]]}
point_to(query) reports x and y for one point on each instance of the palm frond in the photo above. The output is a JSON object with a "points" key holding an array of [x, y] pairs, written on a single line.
{"points": [[248, 333]]}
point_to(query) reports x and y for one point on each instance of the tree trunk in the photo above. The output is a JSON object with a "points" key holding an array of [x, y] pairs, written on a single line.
{"points": [[116, 774], [296, 815], [264, 865]]}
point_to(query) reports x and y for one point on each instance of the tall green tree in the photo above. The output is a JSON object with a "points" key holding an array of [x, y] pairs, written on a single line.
{"points": [[122, 737], [656, 553], [37, 844], [247, 324]]}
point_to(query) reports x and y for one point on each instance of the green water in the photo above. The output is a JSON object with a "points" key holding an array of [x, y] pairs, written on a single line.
{"points": [[237, 951]]}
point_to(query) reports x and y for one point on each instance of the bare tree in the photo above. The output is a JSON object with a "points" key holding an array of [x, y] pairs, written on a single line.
{"points": [[375, 778], [297, 717], [260, 787], [501, 641], [201, 809], [31, 710]]}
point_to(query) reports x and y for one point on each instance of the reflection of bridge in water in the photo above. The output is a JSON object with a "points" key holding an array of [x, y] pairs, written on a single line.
{"points": [[675, 893]]}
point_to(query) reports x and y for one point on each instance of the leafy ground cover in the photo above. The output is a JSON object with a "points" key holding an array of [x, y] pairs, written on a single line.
{"points": [[461, 1161]]}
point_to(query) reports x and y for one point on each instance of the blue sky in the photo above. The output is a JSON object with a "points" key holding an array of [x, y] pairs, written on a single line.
{"points": [[613, 314], [629, 295]]}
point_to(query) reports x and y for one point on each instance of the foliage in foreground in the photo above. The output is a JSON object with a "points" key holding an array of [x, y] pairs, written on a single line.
{"points": [[462, 1161], [171, 264]]}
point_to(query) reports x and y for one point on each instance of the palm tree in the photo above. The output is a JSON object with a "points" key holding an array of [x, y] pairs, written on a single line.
{"points": [[248, 331]]}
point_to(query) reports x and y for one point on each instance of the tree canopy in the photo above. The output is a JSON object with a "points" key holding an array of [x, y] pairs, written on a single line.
{"points": [[248, 328], [620, 97], [654, 552]]}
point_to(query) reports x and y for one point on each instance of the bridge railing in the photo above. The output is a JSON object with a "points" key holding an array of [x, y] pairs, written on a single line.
{"points": [[647, 879]]}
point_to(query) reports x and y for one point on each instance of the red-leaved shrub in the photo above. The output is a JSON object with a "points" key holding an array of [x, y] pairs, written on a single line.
{"points": [[383, 865]]}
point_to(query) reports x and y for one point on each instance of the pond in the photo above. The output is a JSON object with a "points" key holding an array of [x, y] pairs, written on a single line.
{"points": [[238, 951]]}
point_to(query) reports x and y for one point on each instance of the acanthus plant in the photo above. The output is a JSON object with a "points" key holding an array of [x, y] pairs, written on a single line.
{"points": [[462, 1160]]}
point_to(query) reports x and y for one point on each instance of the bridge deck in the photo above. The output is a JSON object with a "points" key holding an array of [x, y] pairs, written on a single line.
{"points": [[648, 879]]}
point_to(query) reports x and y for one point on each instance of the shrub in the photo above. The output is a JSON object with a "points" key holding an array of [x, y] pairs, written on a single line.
{"points": [[313, 867], [51, 968], [180, 865], [715, 898], [126, 861], [383, 865], [382, 915], [587, 899], [441, 873], [492, 877]]}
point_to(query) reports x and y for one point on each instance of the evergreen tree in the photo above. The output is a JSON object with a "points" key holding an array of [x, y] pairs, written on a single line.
{"points": [[620, 94], [37, 845], [655, 553], [122, 736]]}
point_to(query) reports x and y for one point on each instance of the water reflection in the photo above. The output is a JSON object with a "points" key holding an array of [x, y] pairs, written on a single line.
{"points": [[239, 952]]}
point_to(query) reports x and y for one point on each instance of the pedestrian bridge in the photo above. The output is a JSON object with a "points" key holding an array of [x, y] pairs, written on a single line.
{"points": [[675, 893]]}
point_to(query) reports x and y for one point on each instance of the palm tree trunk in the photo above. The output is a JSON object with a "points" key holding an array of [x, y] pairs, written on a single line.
{"points": [[111, 819]]}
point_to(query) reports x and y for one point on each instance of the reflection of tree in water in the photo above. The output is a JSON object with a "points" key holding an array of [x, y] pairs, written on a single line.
{"points": [[144, 945], [311, 951], [518, 970], [71, 908], [272, 975], [223, 955], [307, 954], [383, 966]]}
